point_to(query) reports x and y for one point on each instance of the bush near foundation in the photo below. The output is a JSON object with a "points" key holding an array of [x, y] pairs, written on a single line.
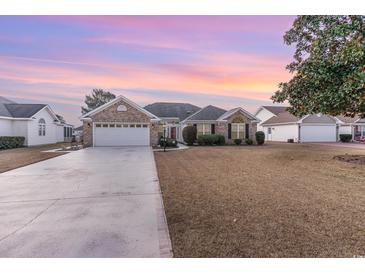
{"points": [[345, 138], [237, 141], [7, 142], [260, 138], [211, 139], [189, 135], [169, 142]]}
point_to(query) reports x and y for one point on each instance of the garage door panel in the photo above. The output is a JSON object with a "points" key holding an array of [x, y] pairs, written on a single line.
{"points": [[320, 133], [115, 136]]}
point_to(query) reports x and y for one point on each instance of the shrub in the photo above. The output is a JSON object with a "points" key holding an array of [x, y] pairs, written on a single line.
{"points": [[7, 142], [249, 141], [260, 137], [237, 141], [189, 135], [211, 139], [169, 142], [345, 138], [220, 140]]}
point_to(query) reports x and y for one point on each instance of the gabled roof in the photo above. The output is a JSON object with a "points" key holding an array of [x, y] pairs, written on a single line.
{"points": [[282, 118], [229, 113], [346, 119], [318, 119], [208, 113], [114, 101], [24, 110], [360, 120], [288, 118], [11, 109], [3, 110], [172, 110], [273, 109]]}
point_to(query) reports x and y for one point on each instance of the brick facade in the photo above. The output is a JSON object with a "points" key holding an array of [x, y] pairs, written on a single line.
{"points": [[110, 114], [222, 127]]}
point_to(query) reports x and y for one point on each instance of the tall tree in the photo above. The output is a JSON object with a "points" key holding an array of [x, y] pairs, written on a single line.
{"points": [[328, 67], [97, 98]]}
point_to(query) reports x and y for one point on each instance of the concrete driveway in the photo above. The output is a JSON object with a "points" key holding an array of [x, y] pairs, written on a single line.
{"points": [[96, 202]]}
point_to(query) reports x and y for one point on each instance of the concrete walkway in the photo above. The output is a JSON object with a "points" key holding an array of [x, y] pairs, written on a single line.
{"points": [[96, 202]]}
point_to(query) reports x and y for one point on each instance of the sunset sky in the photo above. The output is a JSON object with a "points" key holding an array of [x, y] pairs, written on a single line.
{"points": [[227, 61]]}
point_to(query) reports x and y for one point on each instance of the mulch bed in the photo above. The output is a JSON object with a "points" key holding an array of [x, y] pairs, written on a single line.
{"points": [[353, 159], [278, 200]]}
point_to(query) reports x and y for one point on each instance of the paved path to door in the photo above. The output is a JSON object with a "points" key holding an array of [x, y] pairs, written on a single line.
{"points": [[96, 202]]}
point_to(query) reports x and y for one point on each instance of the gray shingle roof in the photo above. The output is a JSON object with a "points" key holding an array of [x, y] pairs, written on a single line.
{"points": [[9, 108], [346, 119], [280, 118], [276, 109], [287, 117], [23, 110], [164, 109], [3, 110], [209, 113], [324, 119]]}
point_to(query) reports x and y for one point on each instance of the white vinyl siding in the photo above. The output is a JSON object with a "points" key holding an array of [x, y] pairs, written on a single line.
{"points": [[281, 133], [345, 130], [263, 115]]}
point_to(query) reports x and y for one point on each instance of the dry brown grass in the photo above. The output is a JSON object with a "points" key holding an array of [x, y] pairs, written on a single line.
{"points": [[278, 200], [18, 157]]}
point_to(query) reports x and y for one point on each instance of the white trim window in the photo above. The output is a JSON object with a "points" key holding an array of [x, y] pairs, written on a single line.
{"points": [[203, 129], [238, 131], [41, 127]]}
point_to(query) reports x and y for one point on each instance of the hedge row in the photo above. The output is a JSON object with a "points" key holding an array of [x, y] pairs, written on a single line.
{"points": [[345, 138], [211, 139], [7, 142]]}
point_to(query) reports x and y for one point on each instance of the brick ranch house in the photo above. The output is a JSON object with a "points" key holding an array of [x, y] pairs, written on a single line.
{"points": [[122, 122]]}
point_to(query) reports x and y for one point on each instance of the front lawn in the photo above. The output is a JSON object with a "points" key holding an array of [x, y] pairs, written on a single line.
{"points": [[18, 157], [277, 200]]}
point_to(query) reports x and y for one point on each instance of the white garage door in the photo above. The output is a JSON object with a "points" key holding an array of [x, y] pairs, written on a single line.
{"points": [[318, 133], [121, 135]]}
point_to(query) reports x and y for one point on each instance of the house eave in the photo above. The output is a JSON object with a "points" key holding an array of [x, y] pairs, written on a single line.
{"points": [[15, 119], [279, 124]]}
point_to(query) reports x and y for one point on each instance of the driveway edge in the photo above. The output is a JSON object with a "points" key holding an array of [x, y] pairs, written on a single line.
{"points": [[163, 229]]}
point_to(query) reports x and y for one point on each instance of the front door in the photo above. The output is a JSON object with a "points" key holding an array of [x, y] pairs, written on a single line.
{"points": [[173, 133], [269, 134]]}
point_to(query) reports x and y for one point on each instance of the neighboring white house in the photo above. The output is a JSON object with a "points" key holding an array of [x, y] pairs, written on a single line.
{"points": [[264, 113], [36, 122], [283, 126]]}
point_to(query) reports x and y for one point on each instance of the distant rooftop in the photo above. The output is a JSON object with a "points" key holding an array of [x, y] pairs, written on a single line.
{"points": [[209, 113], [276, 109], [169, 110]]}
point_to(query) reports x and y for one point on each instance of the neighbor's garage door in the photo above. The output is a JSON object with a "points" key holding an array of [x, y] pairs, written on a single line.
{"points": [[121, 135], [318, 133]]}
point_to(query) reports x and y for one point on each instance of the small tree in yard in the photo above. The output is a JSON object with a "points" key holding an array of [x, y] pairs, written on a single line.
{"points": [[97, 98], [189, 135], [328, 67], [260, 138]]}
